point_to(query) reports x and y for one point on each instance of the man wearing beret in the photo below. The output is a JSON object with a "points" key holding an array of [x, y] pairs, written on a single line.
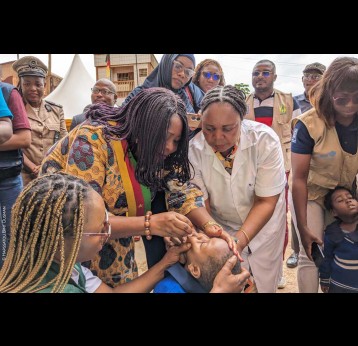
{"points": [[311, 75], [46, 118]]}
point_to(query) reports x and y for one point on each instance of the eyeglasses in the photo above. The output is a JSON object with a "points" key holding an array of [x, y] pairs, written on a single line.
{"points": [[104, 92], [178, 67], [343, 101], [312, 76], [106, 231], [264, 73], [208, 75], [193, 116]]}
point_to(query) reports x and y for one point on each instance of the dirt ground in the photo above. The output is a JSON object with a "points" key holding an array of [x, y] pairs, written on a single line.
{"points": [[289, 273]]}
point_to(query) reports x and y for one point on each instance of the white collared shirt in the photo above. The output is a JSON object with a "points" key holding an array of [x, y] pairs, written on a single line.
{"points": [[258, 169]]}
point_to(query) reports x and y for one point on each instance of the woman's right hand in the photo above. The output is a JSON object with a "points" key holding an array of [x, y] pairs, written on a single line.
{"points": [[170, 224], [226, 282], [307, 238]]}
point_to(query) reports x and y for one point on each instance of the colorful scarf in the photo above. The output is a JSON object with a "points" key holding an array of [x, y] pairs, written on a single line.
{"points": [[138, 196], [227, 161]]}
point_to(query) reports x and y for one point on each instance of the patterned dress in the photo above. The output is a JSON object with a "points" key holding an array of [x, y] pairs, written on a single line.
{"points": [[85, 153]]}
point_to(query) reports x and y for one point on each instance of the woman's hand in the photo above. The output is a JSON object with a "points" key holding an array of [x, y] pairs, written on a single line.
{"points": [[307, 238], [170, 224], [217, 231], [324, 288], [174, 241], [226, 282], [174, 253], [35, 171]]}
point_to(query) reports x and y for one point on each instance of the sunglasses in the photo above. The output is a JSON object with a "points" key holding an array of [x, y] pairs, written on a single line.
{"points": [[343, 101], [312, 76], [106, 231], [264, 73], [179, 67], [209, 75], [104, 92]]}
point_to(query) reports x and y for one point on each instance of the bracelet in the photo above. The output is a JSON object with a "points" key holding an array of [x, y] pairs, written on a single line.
{"points": [[147, 225], [247, 237], [210, 223]]}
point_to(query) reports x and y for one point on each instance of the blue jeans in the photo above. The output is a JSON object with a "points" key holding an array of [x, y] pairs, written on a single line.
{"points": [[10, 188]]}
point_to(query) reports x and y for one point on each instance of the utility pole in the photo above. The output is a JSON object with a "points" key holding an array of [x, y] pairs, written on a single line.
{"points": [[136, 68]]}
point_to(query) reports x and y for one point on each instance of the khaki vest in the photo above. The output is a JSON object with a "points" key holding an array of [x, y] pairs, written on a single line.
{"points": [[330, 166], [281, 122]]}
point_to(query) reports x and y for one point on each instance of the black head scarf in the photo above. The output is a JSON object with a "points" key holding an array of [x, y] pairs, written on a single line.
{"points": [[162, 77]]}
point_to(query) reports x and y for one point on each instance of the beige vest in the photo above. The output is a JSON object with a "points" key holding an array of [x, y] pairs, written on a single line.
{"points": [[330, 166], [281, 122]]}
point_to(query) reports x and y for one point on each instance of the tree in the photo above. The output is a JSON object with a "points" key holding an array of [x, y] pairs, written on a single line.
{"points": [[243, 87]]}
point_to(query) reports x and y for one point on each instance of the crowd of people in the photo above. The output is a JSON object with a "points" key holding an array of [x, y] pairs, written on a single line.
{"points": [[209, 200]]}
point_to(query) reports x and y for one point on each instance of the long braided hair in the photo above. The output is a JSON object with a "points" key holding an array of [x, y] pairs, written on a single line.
{"points": [[227, 93], [144, 123], [39, 224]]}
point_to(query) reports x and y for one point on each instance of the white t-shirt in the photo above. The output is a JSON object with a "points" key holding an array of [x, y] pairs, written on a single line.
{"points": [[92, 281]]}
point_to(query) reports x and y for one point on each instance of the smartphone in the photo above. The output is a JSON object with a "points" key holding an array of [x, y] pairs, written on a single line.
{"points": [[317, 254]]}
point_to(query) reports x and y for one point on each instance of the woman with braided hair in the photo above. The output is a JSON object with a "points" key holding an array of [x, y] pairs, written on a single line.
{"points": [[239, 167], [127, 155], [57, 222]]}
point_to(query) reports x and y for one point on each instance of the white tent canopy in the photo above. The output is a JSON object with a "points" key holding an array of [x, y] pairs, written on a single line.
{"points": [[74, 91]]}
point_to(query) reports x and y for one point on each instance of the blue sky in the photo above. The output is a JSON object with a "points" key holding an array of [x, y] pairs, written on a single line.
{"points": [[237, 67]]}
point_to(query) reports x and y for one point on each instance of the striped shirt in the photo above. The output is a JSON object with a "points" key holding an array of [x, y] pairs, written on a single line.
{"points": [[264, 109], [340, 265]]}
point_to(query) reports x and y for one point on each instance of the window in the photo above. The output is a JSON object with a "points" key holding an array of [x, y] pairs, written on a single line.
{"points": [[122, 76], [143, 72]]}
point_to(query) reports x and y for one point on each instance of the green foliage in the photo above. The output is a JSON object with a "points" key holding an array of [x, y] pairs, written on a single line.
{"points": [[244, 87]]}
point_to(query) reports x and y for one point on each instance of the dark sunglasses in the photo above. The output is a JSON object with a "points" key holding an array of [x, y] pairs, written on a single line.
{"points": [[264, 73], [343, 101], [208, 75], [312, 76]]}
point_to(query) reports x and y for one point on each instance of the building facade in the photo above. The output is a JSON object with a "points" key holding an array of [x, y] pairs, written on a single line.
{"points": [[127, 71], [8, 75]]}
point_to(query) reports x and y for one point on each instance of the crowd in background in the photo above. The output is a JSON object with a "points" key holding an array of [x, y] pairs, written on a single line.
{"points": [[203, 172]]}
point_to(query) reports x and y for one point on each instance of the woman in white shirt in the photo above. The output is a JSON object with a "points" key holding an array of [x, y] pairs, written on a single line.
{"points": [[238, 164]]}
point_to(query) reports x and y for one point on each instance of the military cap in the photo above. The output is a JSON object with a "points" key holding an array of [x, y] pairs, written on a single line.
{"points": [[30, 66], [316, 66]]}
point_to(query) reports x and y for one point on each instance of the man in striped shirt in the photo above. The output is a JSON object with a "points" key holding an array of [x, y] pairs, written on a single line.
{"points": [[273, 108]]}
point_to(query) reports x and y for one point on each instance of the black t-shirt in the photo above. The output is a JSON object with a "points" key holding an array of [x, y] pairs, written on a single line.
{"points": [[302, 142]]}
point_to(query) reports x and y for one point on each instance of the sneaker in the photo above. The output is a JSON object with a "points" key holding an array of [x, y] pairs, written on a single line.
{"points": [[292, 261], [282, 283]]}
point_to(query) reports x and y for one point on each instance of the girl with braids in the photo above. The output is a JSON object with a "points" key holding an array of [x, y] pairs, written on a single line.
{"points": [[127, 154], [57, 222], [208, 75], [239, 167]]}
